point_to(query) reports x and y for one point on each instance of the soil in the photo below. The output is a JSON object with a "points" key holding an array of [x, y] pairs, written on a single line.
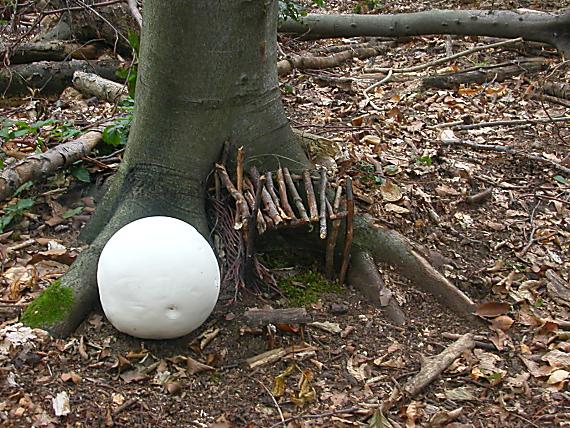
{"points": [[502, 251]]}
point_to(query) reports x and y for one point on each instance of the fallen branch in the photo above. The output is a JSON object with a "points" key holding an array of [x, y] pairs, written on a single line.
{"points": [[41, 165], [484, 74], [104, 89], [439, 61], [511, 151], [49, 51], [513, 122], [319, 62], [550, 99], [50, 77], [434, 366], [431, 369], [262, 317], [558, 90], [551, 28]]}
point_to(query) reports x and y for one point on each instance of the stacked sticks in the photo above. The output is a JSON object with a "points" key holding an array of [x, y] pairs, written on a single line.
{"points": [[259, 202]]}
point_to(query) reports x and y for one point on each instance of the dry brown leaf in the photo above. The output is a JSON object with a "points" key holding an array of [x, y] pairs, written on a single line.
{"points": [[503, 322], [390, 191], [492, 309], [194, 366]]}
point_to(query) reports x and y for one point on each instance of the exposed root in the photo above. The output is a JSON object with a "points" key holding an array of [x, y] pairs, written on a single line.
{"points": [[390, 247], [364, 276]]}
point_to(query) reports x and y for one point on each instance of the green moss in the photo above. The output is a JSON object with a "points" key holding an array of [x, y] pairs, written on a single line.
{"points": [[307, 287], [49, 307]]}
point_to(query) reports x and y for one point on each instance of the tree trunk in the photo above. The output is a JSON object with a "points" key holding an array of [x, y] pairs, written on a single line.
{"points": [[551, 28], [220, 86]]}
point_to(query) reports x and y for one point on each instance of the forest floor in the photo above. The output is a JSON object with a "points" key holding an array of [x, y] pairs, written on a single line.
{"points": [[509, 250]]}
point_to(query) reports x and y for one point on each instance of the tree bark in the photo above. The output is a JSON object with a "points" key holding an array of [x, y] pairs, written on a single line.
{"points": [[551, 28], [220, 86]]}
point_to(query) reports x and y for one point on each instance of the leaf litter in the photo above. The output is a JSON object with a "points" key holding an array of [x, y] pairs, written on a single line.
{"points": [[509, 250]]}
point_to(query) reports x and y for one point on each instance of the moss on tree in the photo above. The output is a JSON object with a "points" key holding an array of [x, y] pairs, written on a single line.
{"points": [[50, 306]]}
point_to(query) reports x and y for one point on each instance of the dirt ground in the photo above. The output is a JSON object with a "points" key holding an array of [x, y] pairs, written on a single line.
{"points": [[509, 251]]}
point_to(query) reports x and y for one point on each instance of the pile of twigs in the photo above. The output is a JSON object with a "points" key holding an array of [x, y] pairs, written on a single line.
{"points": [[263, 204]]}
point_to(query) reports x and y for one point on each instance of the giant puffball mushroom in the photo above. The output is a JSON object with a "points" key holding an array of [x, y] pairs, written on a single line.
{"points": [[158, 278]]}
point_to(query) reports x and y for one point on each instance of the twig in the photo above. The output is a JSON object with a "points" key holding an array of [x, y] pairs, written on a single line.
{"points": [[318, 415], [331, 242], [511, 151], [135, 12], [295, 194], [266, 197], [374, 86], [323, 207], [239, 168], [534, 227], [312, 201], [550, 99], [283, 195], [427, 65], [274, 402], [249, 250], [241, 203], [271, 189], [250, 198], [348, 234]]}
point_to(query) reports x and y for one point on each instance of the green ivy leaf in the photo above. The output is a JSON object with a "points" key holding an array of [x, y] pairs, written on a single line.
{"points": [[72, 212], [23, 187], [81, 174]]}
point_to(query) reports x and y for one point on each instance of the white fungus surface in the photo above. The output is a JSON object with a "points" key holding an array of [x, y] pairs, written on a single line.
{"points": [[158, 278]]}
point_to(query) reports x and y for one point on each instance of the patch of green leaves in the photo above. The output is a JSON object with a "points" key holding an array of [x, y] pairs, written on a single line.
{"points": [[365, 6], [43, 130], [290, 9], [426, 160], [14, 211], [117, 134], [81, 174]]}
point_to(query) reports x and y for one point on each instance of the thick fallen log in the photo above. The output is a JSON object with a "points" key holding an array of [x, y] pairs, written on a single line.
{"points": [[480, 75], [47, 77], [104, 89], [39, 166], [551, 28], [50, 51]]}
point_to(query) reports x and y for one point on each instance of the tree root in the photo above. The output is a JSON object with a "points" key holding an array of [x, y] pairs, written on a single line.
{"points": [[364, 276], [388, 246]]}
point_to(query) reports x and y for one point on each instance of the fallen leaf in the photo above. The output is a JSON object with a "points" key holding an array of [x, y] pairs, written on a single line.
{"points": [[330, 327], [60, 404], [194, 366], [492, 309], [503, 322], [557, 358], [390, 191]]}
